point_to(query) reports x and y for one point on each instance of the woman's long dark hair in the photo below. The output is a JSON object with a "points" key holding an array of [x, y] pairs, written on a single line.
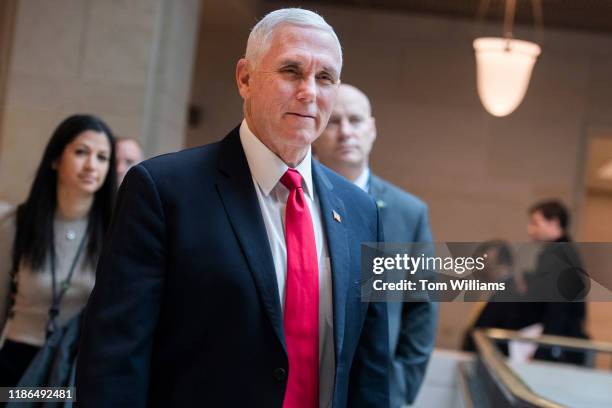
{"points": [[34, 238]]}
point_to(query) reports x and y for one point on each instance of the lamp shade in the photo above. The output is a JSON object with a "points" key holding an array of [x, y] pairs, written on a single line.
{"points": [[503, 70]]}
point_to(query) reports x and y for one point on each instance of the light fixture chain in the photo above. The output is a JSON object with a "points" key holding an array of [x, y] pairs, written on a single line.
{"points": [[538, 18], [509, 18]]}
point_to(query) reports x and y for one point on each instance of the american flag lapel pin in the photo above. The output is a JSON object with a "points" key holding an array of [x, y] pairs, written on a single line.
{"points": [[336, 216]]}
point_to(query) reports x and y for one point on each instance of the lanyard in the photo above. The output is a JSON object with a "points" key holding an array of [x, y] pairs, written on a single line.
{"points": [[57, 297]]}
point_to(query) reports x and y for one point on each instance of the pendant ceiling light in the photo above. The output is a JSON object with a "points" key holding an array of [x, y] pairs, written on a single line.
{"points": [[503, 67]]}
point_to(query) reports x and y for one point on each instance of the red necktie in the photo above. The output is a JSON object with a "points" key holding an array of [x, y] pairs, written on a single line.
{"points": [[301, 299]]}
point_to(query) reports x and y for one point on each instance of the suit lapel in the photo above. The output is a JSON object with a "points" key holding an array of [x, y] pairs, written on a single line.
{"points": [[378, 191], [374, 187], [337, 242], [237, 192]]}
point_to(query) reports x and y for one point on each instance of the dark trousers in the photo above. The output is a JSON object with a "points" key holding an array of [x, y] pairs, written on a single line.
{"points": [[14, 360]]}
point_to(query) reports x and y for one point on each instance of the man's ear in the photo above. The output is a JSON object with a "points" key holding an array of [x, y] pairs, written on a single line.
{"points": [[373, 124], [243, 77]]}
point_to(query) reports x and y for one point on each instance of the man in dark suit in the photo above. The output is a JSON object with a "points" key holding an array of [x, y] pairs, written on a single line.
{"points": [[559, 275], [231, 277], [345, 146]]}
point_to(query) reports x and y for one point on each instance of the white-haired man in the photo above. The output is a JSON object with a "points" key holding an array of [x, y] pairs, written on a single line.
{"points": [[345, 147], [231, 274]]}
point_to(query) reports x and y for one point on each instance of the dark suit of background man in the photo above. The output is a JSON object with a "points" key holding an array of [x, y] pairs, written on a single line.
{"points": [[549, 222], [345, 146], [199, 300]]}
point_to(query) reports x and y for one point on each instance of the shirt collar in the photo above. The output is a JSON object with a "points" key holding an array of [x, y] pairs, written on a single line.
{"points": [[266, 167], [363, 180]]}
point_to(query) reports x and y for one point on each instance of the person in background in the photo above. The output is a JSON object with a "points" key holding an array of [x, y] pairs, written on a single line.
{"points": [[129, 153], [50, 245], [495, 310], [345, 147], [548, 222], [558, 274]]}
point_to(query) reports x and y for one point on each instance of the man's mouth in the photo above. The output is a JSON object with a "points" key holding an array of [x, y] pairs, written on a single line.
{"points": [[344, 148], [347, 151], [301, 115]]}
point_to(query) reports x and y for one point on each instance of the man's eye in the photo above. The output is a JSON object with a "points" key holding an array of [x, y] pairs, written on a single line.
{"points": [[326, 78], [80, 152], [102, 157]]}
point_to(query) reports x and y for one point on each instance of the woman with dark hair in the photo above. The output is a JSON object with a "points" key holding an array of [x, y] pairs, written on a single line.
{"points": [[50, 245]]}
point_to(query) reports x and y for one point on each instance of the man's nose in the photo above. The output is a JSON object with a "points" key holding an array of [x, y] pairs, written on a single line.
{"points": [[345, 127], [307, 91]]}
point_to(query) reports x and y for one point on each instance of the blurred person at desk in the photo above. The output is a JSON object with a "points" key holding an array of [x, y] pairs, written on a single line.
{"points": [[547, 300], [492, 311]]}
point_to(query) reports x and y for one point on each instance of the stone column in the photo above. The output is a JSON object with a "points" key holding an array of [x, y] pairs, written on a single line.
{"points": [[215, 100], [7, 17]]}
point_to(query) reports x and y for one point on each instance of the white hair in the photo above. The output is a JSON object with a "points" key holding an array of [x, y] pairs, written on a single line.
{"points": [[261, 34]]}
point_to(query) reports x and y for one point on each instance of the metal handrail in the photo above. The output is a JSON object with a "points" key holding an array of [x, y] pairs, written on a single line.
{"points": [[550, 340], [463, 381], [513, 388]]}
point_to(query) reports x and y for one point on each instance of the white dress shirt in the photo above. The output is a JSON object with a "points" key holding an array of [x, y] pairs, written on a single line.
{"points": [[363, 181], [267, 169]]}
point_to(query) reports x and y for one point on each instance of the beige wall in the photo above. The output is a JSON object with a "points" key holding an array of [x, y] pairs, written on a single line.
{"points": [[477, 173], [7, 18], [214, 90], [596, 222], [597, 218], [597, 227], [126, 61], [169, 81]]}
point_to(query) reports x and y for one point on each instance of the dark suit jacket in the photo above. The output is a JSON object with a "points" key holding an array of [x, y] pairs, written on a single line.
{"points": [[412, 325], [559, 275], [186, 311]]}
